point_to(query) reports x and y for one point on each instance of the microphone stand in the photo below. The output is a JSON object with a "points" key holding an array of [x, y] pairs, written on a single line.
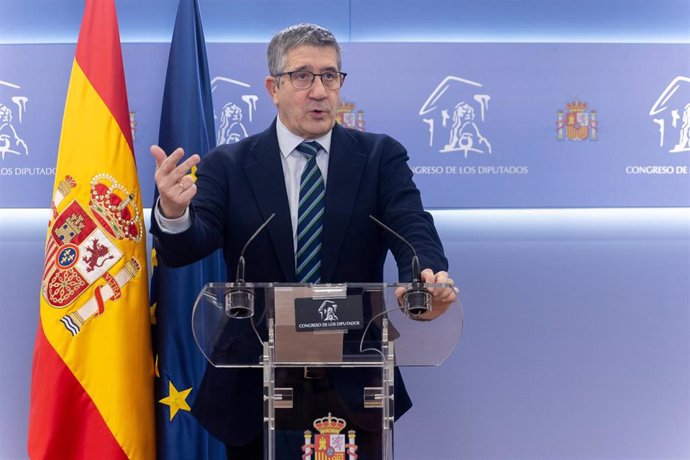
{"points": [[239, 300], [416, 298]]}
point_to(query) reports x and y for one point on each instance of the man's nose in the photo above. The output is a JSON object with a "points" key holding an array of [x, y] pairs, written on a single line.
{"points": [[318, 90]]}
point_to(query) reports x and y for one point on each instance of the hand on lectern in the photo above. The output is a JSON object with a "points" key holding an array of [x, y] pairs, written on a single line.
{"points": [[441, 298], [176, 186]]}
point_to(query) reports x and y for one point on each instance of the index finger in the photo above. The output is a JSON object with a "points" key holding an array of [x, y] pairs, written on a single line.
{"points": [[185, 167]]}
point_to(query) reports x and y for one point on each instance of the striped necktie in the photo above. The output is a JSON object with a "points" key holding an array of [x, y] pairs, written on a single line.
{"points": [[310, 215]]}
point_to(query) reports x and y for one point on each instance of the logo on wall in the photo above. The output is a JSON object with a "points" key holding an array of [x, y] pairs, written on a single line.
{"points": [[329, 444], [347, 117], [235, 111], [577, 124], [12, 111], [82, 248], [671, 112], [455, 114], [133, 125]]}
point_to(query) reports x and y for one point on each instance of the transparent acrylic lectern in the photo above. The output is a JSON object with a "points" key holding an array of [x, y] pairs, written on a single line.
{"points": [[339, 330]]}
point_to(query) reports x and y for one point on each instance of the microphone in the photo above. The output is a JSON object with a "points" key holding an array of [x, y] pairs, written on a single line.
{"points": [[417, 298], [239, 300]]}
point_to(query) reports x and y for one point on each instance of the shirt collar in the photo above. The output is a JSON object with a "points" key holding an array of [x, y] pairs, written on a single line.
{"points": [[287, 141]]}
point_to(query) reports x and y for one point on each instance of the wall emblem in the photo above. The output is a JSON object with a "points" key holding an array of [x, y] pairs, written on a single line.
{"points": [[12, 111], [347, 116], [133, 125], [671, 113], [455, 114], [235, 109], [577, 124]]}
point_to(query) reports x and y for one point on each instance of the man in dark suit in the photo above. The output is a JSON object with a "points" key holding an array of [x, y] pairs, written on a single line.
{"points": [[239, 186]]}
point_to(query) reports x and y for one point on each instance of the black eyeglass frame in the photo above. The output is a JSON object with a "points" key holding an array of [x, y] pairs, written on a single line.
{"points": [[342, 76]]}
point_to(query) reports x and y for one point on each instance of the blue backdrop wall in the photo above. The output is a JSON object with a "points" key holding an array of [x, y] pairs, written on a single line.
{"points": [[563, 198]]}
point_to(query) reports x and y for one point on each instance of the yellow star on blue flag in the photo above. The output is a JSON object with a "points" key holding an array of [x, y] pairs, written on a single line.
{"points": [[177, 400]]}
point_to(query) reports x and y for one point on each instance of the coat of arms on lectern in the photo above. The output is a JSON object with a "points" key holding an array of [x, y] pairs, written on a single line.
{"points": [[329, 444]]}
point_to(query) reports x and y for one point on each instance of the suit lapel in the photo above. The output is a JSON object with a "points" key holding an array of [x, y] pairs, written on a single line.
{"points": [[265, 173], [345, 167]]}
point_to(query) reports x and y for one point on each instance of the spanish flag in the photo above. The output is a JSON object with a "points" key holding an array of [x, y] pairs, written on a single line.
{"points": [[92, 377]]}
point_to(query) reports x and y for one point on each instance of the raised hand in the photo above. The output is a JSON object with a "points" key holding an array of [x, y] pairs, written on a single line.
{"points": [[176, 186]]}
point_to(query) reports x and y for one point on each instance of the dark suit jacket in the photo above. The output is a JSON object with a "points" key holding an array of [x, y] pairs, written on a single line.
{"points": [[240, 185]]}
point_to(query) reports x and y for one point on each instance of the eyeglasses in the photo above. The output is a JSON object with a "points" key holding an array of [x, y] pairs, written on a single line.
{"points": [[303, 79]]}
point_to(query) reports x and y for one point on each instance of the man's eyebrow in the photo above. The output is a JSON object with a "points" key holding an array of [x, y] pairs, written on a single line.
{"points": [[322, 69]]}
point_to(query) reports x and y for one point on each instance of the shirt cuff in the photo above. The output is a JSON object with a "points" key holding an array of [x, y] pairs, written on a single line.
{"points": [[172, 226]]}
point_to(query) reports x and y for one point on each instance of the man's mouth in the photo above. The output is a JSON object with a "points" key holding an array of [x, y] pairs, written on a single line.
{"points": [[318, 112]]}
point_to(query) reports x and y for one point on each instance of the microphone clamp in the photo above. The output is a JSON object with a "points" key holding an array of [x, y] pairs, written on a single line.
{"points": [[416, 300], [239, 302]]}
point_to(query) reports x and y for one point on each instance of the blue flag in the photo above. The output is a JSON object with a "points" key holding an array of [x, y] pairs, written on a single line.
{"points": [[187, 122]]}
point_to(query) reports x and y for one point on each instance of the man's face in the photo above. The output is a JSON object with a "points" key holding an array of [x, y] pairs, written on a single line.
{"points": [[308, 113]]}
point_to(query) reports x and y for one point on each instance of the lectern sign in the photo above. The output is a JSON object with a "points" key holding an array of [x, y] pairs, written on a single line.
{"points": [[329, 314]]}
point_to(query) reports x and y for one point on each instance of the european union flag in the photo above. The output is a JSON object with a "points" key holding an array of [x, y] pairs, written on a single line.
{"points": [[187, 122]]}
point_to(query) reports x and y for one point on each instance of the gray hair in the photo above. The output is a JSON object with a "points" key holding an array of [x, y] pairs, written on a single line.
{"points": [[294, 36]]}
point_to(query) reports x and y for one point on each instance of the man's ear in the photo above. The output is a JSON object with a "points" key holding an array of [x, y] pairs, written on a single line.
{"points": [[272, 88]]}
